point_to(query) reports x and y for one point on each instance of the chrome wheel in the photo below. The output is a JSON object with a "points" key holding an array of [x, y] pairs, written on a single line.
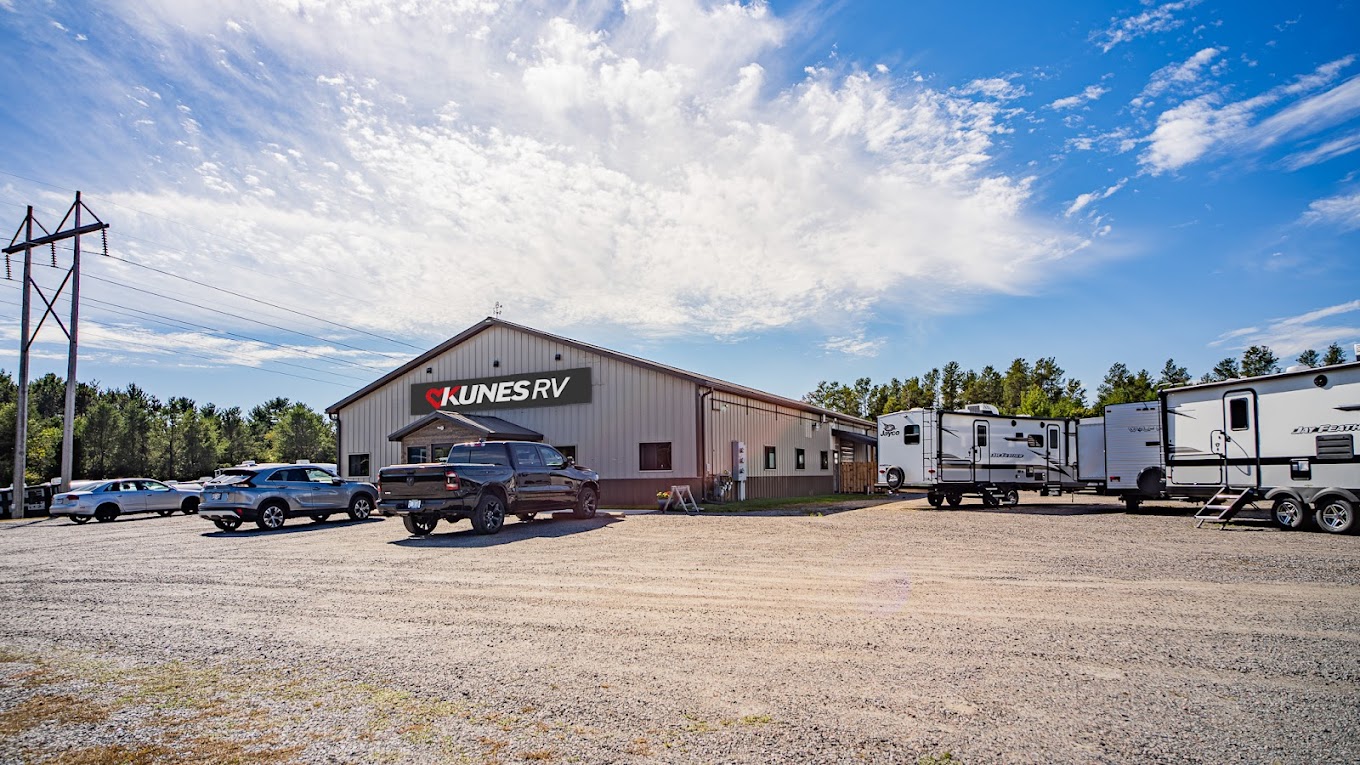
{"points": [[360, 507], [1336, 516], [1288, 513], [271, 517]]}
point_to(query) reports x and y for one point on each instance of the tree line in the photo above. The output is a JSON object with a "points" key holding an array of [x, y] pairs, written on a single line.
{"points": [[124, 432], [1041, 389]]}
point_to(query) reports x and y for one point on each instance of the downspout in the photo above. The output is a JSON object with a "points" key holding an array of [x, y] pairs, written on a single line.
{"points": [[701, 434], [339, 458]]}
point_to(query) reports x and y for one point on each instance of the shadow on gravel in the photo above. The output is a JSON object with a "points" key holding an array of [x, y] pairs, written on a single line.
{"points": [[852, 502], [462, 535], [292, 526]]}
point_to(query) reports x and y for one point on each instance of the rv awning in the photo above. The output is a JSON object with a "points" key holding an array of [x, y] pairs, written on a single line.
{"points": [[488, 427], [858, 438]]}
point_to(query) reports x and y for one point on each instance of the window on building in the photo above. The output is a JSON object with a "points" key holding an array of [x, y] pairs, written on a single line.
{"points": [[770, 460], [911, 434], [567, 451], [358, 465], [826, 460], [1237, 414], [654, 456], [441, 451], [417, 454], [799, 459]]}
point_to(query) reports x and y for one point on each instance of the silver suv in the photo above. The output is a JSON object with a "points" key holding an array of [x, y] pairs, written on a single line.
{"points": [[270, 494]]}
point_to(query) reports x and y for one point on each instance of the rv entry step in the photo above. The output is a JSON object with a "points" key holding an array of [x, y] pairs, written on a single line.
{"points": [[1224, 505]]}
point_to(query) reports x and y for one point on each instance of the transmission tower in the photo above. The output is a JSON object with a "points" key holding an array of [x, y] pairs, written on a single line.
{"points": [[26, 338]]}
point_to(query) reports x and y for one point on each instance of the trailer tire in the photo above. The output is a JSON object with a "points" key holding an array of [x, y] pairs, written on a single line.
{"points": [[935, 498], [1011, 498], [1335, 516], [990, 500], [1151, 482], [896, 478], [1289, 513], [954, 499]]}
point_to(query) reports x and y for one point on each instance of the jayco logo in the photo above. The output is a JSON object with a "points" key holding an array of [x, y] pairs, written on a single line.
{"points": [[889, 429], [571, 386]]}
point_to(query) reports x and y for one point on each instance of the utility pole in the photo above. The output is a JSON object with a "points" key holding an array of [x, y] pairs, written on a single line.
{"points": [[26, 339]]}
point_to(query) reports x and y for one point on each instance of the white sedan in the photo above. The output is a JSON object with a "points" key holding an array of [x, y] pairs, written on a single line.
{"points": [[106, 500]]}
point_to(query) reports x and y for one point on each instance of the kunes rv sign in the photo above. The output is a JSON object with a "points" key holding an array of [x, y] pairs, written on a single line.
{"points": [[570, 386]]}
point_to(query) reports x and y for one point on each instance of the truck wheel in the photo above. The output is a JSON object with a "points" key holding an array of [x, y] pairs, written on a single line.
{"points": [[226, 524], [954, 499], [1289, 513], [896, 478], [271, 516], [1336, 516], [360, 507], [489, 515], [106, 513], [586, 503], [420, 525], [935, 498]]}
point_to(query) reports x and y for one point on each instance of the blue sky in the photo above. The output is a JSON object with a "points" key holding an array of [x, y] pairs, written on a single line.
{"points": [[771, 193]]}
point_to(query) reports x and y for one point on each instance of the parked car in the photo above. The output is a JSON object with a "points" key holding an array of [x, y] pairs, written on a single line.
{"points": [[108, 499], [484, 481], [270, 494]]}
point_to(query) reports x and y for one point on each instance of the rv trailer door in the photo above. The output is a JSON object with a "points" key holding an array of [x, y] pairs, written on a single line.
{"points": [[982, 452], [1241, 447]]}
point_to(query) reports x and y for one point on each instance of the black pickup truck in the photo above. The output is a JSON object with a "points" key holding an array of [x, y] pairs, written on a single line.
{"points": [[485, 481]]}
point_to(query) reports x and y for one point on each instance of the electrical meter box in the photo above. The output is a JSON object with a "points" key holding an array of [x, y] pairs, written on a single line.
{"points": [[738, 461]]}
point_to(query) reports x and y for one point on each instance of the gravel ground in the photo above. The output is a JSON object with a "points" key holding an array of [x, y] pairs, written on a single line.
{"points": [[1061, 631]]}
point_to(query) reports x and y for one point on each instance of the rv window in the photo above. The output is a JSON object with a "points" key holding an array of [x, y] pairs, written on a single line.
{"points": [[1237, 414], [911, 434], [1053, 438], [1036, 440], [981, 435]]}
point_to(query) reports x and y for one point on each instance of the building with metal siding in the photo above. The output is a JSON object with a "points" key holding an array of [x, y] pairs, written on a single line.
{"points": [[643, 426]]}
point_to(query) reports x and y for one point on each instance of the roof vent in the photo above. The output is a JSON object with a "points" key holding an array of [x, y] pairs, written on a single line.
{"points": [[981, 409]]}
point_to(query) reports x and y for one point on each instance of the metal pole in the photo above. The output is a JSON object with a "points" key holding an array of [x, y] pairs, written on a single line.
{"points": [[68, 440], [16, 504]]}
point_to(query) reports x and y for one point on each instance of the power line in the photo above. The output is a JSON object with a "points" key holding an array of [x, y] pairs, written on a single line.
{"points": [[218, 359], [171, 321], [185, 252]]}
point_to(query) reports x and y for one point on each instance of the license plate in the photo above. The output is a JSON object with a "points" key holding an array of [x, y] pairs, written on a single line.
{"points": [[412, 504], [217, 495]]}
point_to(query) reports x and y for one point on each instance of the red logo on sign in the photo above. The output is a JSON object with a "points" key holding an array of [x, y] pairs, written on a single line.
{"points": [[436, 396]]}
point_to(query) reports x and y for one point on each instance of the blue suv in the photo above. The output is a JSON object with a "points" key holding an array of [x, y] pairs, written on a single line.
{"points": [[270, 494]]}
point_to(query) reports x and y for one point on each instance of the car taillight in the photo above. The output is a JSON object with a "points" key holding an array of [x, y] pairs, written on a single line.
{"points": [[378, 483], [71, 497], [451, 481]]}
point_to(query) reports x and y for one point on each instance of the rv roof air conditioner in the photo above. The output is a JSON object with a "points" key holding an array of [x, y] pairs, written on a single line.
{"points": [[981, 409]]}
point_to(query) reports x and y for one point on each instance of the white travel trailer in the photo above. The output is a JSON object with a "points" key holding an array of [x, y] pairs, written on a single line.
{"points": [[1288, 439], [976, 452], [1091, 451], [1134, 468]]}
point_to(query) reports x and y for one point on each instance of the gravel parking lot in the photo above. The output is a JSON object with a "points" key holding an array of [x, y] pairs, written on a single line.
{"points": [[1065, 631]]}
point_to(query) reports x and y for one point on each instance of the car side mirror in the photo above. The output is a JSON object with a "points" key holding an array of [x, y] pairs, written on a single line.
{"points": [[337, 481], [570, 461]]}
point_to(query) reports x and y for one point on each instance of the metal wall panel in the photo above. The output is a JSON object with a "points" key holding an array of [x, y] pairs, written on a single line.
{"points": [[629, 405]]}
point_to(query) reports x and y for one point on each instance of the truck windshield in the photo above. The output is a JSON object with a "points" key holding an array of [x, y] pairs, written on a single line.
{"points": [[478, 454]]}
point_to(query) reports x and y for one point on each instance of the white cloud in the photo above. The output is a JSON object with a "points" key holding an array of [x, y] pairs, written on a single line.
{"points": [[1190, 131], [999, 88], [637, 170], [855, 345], [1336, 147], [1083, 200], [7, 5], [1159, 19], [1343, 211], [1293, 335], [1184, 77], [1091, 93]]}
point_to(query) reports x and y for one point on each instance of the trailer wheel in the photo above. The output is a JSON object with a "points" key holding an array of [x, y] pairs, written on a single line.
{"points": [[896, 478], [1336, 516], [990, 500], [954, 499], [935, 498], [1011, 498], [1289, 513]]}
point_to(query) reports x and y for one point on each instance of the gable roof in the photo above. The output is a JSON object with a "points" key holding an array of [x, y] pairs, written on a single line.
{"points": [[493, 428], [489, 322]]}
